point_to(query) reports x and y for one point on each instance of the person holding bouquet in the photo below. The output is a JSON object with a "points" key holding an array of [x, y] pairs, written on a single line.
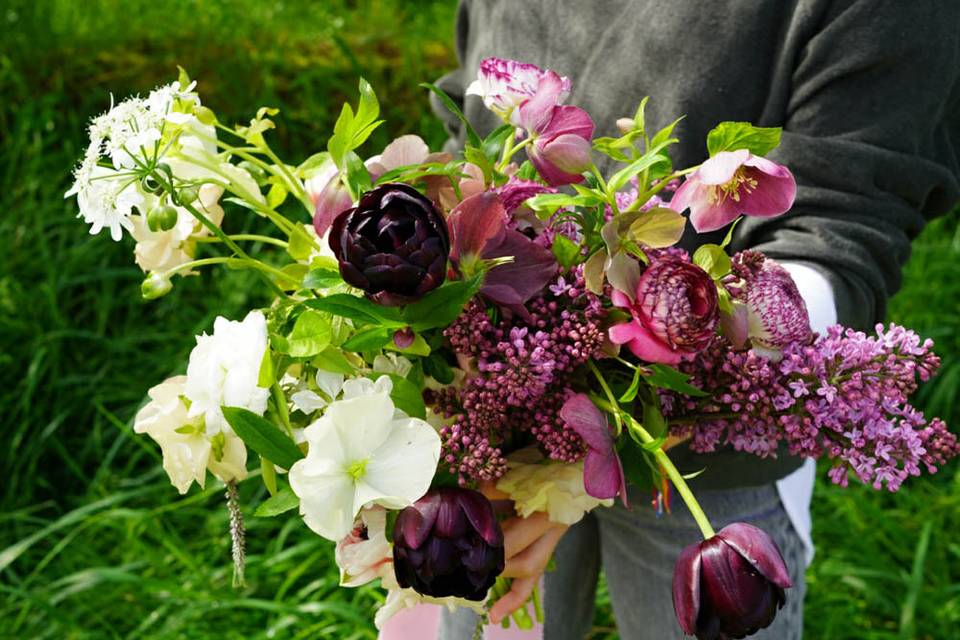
{"points": [[868, 96]]}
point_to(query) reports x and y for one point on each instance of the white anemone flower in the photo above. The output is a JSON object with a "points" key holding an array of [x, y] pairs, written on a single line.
{"points": [[187, 449], [362, 451], [224, 369]]}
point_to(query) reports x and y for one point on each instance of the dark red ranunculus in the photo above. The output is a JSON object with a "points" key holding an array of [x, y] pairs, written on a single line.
{"points": [[394, 244], [731, 585], [448, 543]]}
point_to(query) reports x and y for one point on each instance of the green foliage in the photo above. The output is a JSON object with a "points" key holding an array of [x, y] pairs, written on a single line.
{"points": [[731, 136]]}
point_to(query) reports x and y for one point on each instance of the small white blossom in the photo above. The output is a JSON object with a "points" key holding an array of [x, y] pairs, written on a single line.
{"points": [[224, 369], [187, 449], [362, 451]]}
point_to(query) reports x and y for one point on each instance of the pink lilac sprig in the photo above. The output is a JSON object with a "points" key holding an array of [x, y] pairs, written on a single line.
{"points": [[845, 396], [522, 374]]}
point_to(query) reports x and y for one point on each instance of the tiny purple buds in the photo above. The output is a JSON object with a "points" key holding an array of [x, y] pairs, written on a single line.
{"points": [[731, 585], [675, 312], [448, 543], [394, 244], [735, 183]]}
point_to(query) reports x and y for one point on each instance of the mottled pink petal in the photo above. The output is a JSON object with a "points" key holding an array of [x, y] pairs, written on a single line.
{"points": [[535, 113], [569, 120], [474, 223], [686, 588], [706, 216], [758, 549], [532, 269], [721, 168]]}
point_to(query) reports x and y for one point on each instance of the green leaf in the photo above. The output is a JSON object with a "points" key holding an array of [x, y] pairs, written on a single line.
{"points": [[712, 259], [263, 436], [357, 308], [436, 367], [635, 467], [321, 279], [265, 377], [315, 161], [276, 195], [664, 134], [478, 157], [657, 228], [332, 359], [727, 239], [269, 474], [566, 251], [441, 306], [405, 395], [368, 339], [283, 501], [666, 377], [631, 391], [493, 143], [358, 178], [550, 202], [311, 334], [653, 420], [299, 245], [369, 108], [472, 137], [644, 162], [731, 136]]}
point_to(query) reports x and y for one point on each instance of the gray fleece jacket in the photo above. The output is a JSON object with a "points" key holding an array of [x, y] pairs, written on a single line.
{"points": [[867, 93]]}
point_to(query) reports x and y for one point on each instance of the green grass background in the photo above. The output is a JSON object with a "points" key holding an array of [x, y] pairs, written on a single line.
{"points": [[94, 542]]}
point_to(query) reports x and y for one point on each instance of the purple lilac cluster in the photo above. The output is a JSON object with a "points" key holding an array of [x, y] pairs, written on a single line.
{"points": [[521, 373], [846, 396]]}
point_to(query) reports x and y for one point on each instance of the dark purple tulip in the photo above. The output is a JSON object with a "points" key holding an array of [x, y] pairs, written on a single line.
{"points": [[731, 585], [394, 244], [448, 543]]}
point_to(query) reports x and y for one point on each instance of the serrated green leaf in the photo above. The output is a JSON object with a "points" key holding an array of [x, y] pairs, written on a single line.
{"points": [[666, 377], [311, 334], [283, 501], [657, 228], [732, 136], [712, 259], [263, 436]]}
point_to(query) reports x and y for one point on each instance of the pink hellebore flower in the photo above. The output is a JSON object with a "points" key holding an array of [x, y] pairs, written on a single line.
{"points": [[561, 135], [505, 84], [675, 312], [602, 470], [735, 183], [478, 230]]}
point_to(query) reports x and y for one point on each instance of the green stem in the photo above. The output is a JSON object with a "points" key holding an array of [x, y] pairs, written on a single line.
{"points": [[609, 393], [249, 236], [509, 150]]}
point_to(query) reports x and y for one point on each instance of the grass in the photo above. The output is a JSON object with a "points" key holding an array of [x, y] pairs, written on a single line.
{"points": [[94, 542]]}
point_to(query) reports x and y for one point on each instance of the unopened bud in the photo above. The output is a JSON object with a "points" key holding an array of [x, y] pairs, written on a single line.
{"points": [[155, 285], [188, 194], [625, 125], [161, 218]]}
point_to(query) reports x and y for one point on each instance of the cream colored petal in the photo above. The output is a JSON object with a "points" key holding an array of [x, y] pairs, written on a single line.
{"points": [[401, 469]]}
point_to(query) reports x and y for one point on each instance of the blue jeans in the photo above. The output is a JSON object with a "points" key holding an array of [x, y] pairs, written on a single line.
{"points": [[637, 551]]}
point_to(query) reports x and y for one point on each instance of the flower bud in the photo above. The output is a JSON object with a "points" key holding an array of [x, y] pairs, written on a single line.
{"points": [[731, 585], [189, 194], [155, 285], [161, 218], [448, 543]]}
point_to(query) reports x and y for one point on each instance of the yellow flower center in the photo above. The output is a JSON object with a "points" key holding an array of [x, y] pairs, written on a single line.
{"points": [[357, 469], [740, 183]]}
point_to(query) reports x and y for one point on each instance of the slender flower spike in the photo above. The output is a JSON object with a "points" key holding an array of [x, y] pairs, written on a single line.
{"points": [[363, 451], [731, 585], [735, 183], [505, 84], [602, 470], [448, 543], [675, 312]]}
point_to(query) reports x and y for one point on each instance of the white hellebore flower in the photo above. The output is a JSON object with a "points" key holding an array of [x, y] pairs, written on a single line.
{"points": [[187, 450], [224, 369], [554, 487], [363, 451], [365, 554]]}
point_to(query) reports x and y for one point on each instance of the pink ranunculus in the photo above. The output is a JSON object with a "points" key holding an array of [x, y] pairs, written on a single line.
{"points": [[735, 183], [602, 470], [675, 312], [516, 191], [775, 313], [505, 84]]}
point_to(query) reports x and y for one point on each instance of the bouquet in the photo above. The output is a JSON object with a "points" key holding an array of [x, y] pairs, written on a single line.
{"points": [[512, 317]]}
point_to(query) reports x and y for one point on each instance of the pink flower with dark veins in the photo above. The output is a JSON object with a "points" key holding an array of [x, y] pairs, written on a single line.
{"points": [[505, 84], [731, 184], [675, 312]]}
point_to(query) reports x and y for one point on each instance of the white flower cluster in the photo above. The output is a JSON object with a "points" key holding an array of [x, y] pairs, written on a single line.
{"points": [[184, 415]]}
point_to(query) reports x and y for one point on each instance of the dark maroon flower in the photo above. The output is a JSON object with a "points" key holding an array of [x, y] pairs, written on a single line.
{"points": [[675, 312], [394, 244], [448, 543], [731, 585]]}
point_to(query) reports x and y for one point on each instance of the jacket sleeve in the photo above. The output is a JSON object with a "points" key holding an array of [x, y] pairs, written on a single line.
{"points": [[871, 130]]}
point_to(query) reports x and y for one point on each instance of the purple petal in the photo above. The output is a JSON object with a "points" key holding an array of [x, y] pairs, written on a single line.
{"points": [[533, 267], [480, 513], [720, 168], [415, 523], [569, 120], [758, 549], [535, 113], [474, 223], [706, 216], [580, 414], [775, 192], [686, 588], [550, 173], [568, 152]]}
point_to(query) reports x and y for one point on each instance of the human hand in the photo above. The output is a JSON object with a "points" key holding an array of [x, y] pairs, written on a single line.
{"points": [[528, 546]]}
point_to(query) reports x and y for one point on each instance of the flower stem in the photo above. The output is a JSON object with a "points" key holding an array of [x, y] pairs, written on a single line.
{"points": [[509, 150], [248, 236]]}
